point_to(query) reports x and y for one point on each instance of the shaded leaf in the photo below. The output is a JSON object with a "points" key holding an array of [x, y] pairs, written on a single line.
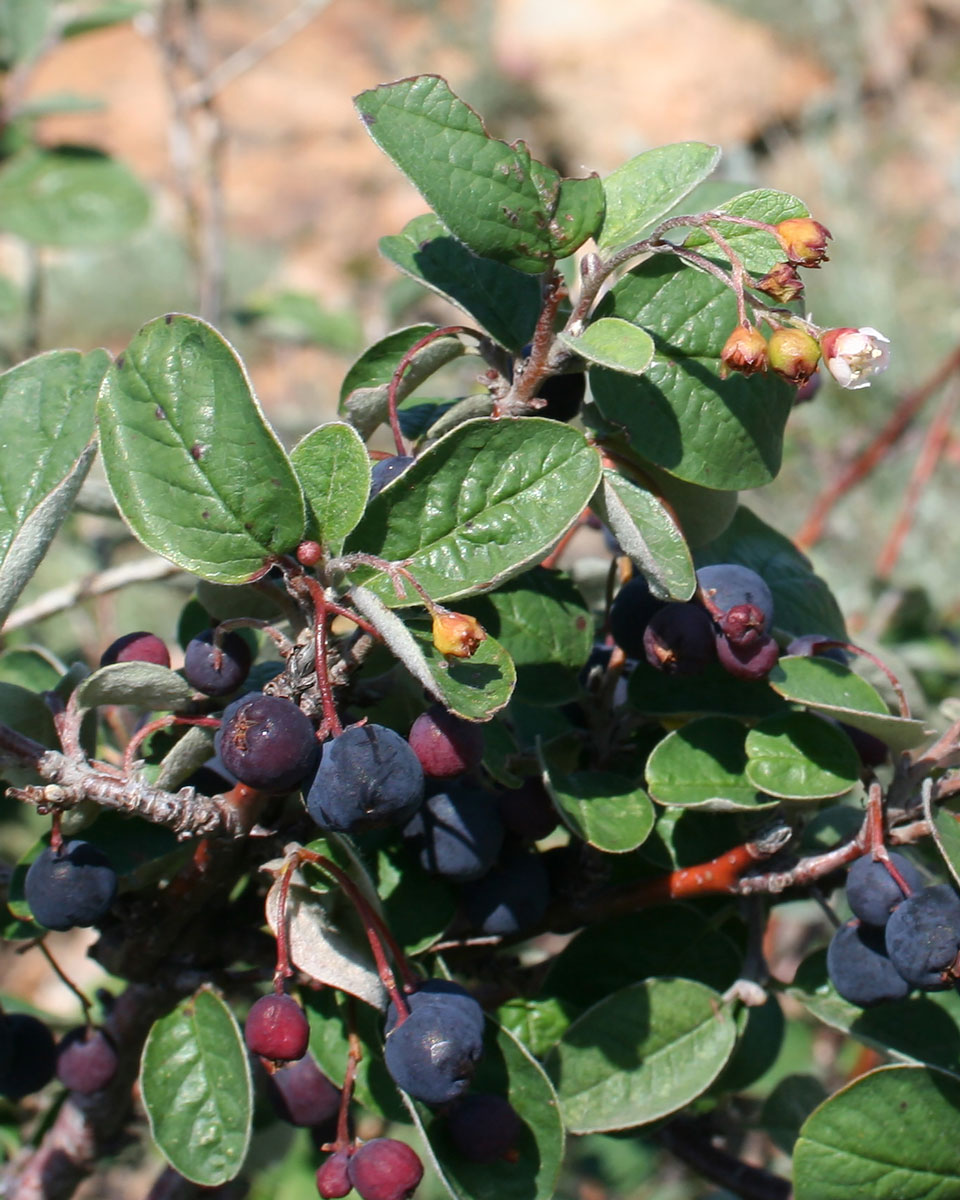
{"points": [[614, 343], [788, 1106], [714, 691]]}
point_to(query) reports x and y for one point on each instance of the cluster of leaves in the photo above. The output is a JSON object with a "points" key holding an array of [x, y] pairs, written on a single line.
{"points": [[638, 1017]]}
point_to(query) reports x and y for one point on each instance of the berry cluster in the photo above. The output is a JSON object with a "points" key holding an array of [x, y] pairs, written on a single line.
{"points": [[903, 935], [729, 621], [85, 1060]]}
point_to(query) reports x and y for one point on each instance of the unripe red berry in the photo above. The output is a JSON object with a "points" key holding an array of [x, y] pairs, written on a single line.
{"points": [[385, 1169], [86, 1060], [793, 354], [333, 1178], [136, 647], [277, 1028], [745, 350]]}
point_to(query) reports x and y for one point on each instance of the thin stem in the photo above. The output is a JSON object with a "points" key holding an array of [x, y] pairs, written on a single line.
{"points": [[687, 1138], [64, 977], [404, 363], [534, 370], [331, 720], [282, 642], [137, 740], [284, 970]]}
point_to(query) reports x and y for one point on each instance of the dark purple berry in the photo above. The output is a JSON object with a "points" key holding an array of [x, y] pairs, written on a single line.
{"points": [[563, 394], [457, 833], [136, 647], [923, 938], [511, 898], [483, 1127], [267, 742], [333, 1177], [303, 1095], [385, 1169], [368, 778], [86, 1060], [75, 887], [528, 811], [727, 585], [679, 640], [446, 993], [630, 613], [873, 893], [860, 969], [754, 660], [33, 1057], [216, 670], [433, 1053], [386, 471], [277, 1028], [446, 745]]}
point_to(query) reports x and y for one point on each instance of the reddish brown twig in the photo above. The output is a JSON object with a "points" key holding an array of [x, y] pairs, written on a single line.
{"points": [[130, 753], [404, 363], [875, 451]]}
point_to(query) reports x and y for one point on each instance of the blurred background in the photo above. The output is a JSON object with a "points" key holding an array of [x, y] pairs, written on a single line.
{"points": [[255, 198]]}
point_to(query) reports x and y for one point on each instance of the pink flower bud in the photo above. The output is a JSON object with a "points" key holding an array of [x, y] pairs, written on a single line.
{"points": [[745, 350], [793, 354], [804, 240], [853, 355]]}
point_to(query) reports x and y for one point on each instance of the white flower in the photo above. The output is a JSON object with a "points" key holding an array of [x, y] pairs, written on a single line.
{"points": [[852, 356]]}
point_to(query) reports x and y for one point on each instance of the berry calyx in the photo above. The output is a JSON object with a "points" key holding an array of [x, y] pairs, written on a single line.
{"points": [[277, 1028], [782, 283], [267, 742], [679, 640]]}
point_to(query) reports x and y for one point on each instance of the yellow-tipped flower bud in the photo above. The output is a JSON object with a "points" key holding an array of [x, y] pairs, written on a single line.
{"points": [[455, 634], [804, 240], [793, 354]]}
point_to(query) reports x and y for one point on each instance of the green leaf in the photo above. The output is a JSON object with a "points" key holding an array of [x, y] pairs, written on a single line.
{"points": [[29, 714], [195, 1085], [47, 446], [418, 906], [542, 621], [640, 1054], [832, 689], [114, 12], [495, 198], [195, 470], [720, 433], [299, 317], [32, 667], [363, 395], [802, 602], [890, 1135], [474, 688], [788, 1106], [54, 103], [921, 1029], [715, 691], [139, 684], [332, 465], [702, 513], [504, 302], [798, 756], [647, 187], [648, 533], [614, 343], [758, 250], [607, 810], [23, 24], [760, 1032], [945, 825], [704, 765], [537, 1023], [506, 1069], [478, 507], [71, 196]]}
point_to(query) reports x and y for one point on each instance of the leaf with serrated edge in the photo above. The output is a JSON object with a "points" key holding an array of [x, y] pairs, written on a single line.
{"points": [[497, 199], [703, 765], [196, 471], [892, 1134], [333, 467], [719, 433], [47, 418], [478, 507], [196, 1089], [139, 684], [614, 343], [800, 756], [646, 188], [320, 948], [832, 689], [640, 1054], [507, 1069], [648, 533], [506, 303]]}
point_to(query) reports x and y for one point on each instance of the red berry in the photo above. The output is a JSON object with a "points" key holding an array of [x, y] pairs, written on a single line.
{"points": [[446, 745], [385, 1169], [277, 1028], [86, 1060], [333, 1178], [309, 553], [136, 647]]}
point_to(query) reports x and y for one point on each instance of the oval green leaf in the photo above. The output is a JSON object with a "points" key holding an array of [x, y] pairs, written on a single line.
{"points": [[607, 810], [798, 756], [640, 1054], [478, 507], [196, 471], [704, 765], [648, 533], [614, 343], [645, 189], [830, 688], [720, 433], [47, 446], [506, 303], [890, 1135], [494, 197], [70, 196], [333, 467], [139, 684], [196, 1088]]}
